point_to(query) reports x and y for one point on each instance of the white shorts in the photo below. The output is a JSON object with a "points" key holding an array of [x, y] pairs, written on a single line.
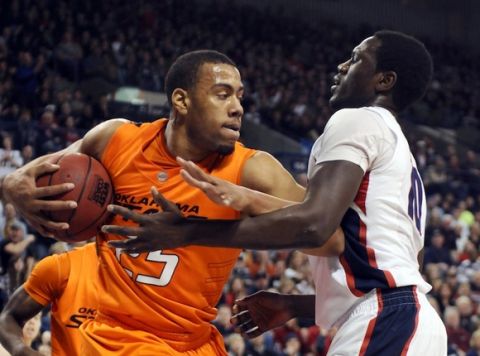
{"points": [[397, 321]]}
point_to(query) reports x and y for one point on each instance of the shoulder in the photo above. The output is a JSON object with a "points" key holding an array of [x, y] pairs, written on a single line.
{"points": [[361, 120], [95, 140], [263, 172]]}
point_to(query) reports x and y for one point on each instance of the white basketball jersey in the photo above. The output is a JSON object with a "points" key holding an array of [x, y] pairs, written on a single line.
{"points": [[384, 226]]}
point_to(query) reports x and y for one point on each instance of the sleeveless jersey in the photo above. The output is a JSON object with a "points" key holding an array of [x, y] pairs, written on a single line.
{"points": [[68, 282], [384, 226], [169, 293]]}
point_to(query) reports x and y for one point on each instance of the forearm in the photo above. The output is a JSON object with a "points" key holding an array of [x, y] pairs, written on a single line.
{"points": [[285, 228], [261, 203], [301, 306], [19, 309], [11, 333]]}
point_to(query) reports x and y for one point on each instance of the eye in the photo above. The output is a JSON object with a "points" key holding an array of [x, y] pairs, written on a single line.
{"points": [[354, 58], [222, 96]]}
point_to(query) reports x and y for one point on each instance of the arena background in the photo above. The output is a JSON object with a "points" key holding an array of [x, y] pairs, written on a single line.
{"points": [[67, 65]]}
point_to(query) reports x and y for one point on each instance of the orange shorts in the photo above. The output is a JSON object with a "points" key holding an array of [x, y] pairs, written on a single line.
{"points": [[100, 339]]}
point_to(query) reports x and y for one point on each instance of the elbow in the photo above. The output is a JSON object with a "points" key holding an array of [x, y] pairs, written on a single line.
{"points": [[316, 231]]}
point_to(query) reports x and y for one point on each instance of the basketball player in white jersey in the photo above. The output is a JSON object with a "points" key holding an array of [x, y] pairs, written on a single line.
{"points": [[363, 178]]}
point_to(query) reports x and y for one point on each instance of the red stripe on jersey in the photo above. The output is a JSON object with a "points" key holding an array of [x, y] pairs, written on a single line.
{"points": [[390, 279], [362, 192], [407, 344], [350, 277], [371, 325]]}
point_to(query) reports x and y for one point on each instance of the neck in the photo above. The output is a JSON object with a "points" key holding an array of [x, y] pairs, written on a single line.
{"points": [[178, 143], [385, 103]]}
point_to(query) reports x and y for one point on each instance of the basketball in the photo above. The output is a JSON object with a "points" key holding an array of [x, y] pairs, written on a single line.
{"points": [[93, 192]]}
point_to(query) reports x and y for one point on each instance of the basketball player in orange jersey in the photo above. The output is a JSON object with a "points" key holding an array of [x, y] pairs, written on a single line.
{"points": [[162, 302], [67, 282]]}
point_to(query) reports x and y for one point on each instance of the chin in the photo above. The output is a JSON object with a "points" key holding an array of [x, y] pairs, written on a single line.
{"points": [[225, 149], [335, 105]]}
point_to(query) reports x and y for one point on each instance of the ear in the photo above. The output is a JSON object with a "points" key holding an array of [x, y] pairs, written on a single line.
{"points": [[386, 81], [180, 101]]}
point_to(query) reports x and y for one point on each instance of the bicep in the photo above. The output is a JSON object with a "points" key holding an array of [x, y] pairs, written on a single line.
{"points": [[264, 173], [95, 141], [332, 188]]}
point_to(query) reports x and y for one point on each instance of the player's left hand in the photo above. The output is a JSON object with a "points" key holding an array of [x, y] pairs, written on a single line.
{"points": [[261, 311], [220, 191], [150, 233]]}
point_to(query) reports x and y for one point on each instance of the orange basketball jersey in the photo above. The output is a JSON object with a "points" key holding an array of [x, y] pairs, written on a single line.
{"points": [[169, 293], [68, 282]]}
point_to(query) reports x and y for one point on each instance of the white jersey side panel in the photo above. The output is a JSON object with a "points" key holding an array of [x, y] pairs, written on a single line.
{"points": [[384, 226]]}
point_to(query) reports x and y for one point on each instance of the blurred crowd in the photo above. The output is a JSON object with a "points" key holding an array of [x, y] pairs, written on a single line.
{"points": [[60, 60]]}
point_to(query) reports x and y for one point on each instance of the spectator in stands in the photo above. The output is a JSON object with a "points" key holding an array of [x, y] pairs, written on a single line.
{"points": [[437, 252], [14, 255], [10, 159], [69, 54], [468, 320], [222, 321], [235, 345], [474, 344], [458, 337]]}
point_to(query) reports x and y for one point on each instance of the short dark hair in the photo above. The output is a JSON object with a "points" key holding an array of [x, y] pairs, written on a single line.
{"points": [[410, 60], [183, 72]]}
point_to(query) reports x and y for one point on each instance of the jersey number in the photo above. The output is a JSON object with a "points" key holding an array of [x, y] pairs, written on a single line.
{"points": [[415, 199], [170, 264]]}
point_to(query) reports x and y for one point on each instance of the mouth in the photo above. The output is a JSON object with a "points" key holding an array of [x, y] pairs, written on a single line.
{"points": [[233, 130], [336, 83]]}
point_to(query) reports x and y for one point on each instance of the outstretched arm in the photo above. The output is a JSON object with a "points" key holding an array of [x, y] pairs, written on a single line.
{"points": [[20, 308], [310, 224], [248, 201]]}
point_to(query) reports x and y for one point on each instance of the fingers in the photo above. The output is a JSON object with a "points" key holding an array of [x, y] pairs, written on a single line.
{"points": [[44, 168], [132, 245], [127, 213], [122, 230], [165, 204], [195, 172], [247, 326], [53, 190], [53, 205], [44, 226], [192, 181]]}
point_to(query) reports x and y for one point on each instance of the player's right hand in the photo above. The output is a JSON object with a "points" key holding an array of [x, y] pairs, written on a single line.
{"points": [[261, 312], [31, 202]]}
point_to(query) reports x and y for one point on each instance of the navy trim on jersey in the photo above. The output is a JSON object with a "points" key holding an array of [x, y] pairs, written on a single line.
{"points": [[391, 332], [358, 261]]}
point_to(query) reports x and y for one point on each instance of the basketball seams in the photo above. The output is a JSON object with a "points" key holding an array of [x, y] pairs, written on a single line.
{"points": [[100, 218], [80, 196], [47, 213]]}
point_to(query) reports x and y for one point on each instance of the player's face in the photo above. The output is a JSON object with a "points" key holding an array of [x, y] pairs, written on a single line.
{"points": [[354, 84], [216, 115]]}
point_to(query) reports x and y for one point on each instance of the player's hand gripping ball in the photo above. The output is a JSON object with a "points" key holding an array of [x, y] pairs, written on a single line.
{"points": [[93, 192]]}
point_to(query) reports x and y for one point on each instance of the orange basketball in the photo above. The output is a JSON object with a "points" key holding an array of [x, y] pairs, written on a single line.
{"points": [[93, 192]]}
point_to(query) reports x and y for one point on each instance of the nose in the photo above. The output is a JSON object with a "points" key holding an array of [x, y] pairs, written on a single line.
{"points": [[236, 110], [343, 67]]}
